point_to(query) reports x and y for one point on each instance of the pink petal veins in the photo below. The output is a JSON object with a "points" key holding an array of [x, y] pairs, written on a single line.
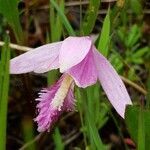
{"points": [[84, 73], [111, 83], [39, 60], [73, 51]]}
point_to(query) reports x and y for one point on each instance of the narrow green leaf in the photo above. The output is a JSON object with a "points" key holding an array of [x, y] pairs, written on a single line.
{"points": [[90, 17], [52, 21], [94, 132], [104, 37], [80, 106], [133, 36], [28, 132], [2, 65], [116, 61], [63, 18], [58, 140], [141, 130], [138, 124], [9, 9], [141, 52], [4, 94], [148, 87], [55, 34], [55, 22], [136, 6], [90, 121]]}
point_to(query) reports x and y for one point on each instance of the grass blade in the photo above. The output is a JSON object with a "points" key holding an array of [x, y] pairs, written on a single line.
{"points": [[141, 130], [4, 75], [63, 18], [90, 17], [28, 132], [94, 134], [9, 9], [148, 87], [138, 117], [58, 141], [104, 37], [55, 22], [55, 35], [89, 105]]}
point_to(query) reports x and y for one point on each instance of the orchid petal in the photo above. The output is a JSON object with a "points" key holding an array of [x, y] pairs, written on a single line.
{"points": [[84, 73], [73, 51], [39, 60], [111, 83]]}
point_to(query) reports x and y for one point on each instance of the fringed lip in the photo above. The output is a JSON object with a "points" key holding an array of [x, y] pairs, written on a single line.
{"points": [[54, 101]]}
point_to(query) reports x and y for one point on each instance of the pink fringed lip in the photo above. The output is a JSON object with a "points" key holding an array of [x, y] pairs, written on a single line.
{"points": [[47, 113]]}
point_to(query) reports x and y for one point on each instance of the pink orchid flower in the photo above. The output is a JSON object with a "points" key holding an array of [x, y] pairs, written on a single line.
{"points": [[81, 64]]}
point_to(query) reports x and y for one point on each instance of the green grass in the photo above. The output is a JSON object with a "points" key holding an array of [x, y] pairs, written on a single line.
{"points": [[4, 88], [9, 9], [105, 36]]}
